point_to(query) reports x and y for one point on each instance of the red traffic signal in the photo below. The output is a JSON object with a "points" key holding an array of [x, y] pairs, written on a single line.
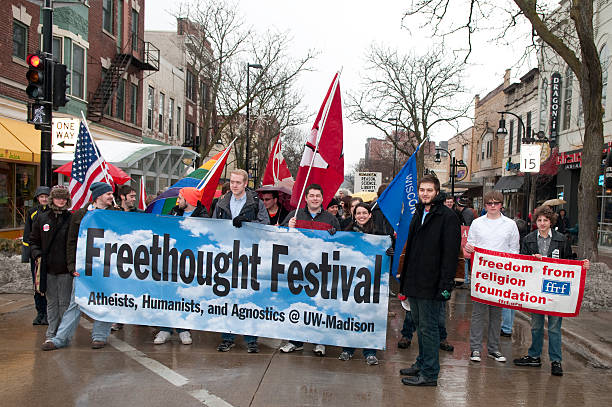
{"points": [[36, 76]]}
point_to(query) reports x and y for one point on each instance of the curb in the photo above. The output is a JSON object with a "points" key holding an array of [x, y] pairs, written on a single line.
{"points": [[577, 344]]}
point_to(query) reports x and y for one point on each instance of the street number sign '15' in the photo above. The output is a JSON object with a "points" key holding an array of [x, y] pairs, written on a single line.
{"points": [[530, 157]]}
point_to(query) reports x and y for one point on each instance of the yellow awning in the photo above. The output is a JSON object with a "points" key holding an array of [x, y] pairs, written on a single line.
{"points": [[19, 141]]}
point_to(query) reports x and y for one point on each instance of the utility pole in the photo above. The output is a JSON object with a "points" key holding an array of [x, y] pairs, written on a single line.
{"points": [[45, 129]]}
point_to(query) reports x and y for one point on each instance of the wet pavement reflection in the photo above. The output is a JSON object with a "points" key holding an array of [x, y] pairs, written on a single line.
{"points": [[133, 371]]}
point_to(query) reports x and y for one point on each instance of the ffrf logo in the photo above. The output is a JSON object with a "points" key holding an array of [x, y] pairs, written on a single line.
{"points": [[556, 287]]}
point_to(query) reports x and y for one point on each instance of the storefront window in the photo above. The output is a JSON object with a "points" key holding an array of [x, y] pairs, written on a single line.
{"points": [[17, 187]]}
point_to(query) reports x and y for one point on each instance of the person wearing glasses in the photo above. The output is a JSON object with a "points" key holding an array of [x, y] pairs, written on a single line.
{"points": [[276, 212], [495, 232]]}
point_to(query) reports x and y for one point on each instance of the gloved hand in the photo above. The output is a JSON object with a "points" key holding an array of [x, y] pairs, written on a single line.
{"points": [[390, 251], [237, 222], [443, 295], [331, 231]]}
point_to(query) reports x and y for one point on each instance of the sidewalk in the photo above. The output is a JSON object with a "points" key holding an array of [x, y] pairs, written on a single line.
{"points": [[588, 335]]}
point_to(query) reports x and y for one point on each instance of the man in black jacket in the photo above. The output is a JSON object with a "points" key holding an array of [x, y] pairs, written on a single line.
{"points": [[427, 277], [42, 197], [240, 206], [48, 243]]}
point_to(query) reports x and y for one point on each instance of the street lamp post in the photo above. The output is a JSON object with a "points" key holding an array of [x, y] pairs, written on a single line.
{"points": [[528, 138], [396, 120], [453, 167], [248, 116]]}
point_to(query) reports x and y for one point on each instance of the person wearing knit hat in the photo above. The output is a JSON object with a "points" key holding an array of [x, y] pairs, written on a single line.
{"points": [[41, 197], [101, 199], [48, 243], [187, 204]]}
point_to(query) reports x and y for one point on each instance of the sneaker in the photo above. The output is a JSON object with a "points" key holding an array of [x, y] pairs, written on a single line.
{"points": [[116, 327], [97, 344], [161, 337], [475, 356], [289, 347], [444, 345], [556, 369], [185, 337], [344, 356], [372, 360], [505, 334], [225, 346], [319, 350], [252, 347], [404, 343], [497, 356], [528, 361], [48, 345]]}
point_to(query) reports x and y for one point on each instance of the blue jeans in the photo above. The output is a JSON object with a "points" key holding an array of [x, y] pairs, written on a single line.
{"points": [[537, 337], [178, 330], [231, 337], [426, 317], [507, 320], [467, 272], [70, 321], [366, 352], [408, 328]]}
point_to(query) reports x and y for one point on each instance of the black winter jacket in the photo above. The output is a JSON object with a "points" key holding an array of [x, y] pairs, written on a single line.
{"points": [[50, 234], [199, 212], [253, 209], [432, 251], [304, 214], [529, 245], [27, 229]]}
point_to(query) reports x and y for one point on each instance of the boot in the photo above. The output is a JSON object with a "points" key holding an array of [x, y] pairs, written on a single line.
{"points": [[38, 319], [44, 320]]}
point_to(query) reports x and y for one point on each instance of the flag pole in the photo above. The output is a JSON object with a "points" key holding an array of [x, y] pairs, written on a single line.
{"points": [[319, 132]]}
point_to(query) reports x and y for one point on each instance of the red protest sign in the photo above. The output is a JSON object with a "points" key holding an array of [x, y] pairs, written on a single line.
{"points": [[547, 286]]}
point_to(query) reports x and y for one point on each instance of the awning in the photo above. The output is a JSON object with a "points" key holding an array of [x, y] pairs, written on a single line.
{"points": [[19, 141], [511, 183]]}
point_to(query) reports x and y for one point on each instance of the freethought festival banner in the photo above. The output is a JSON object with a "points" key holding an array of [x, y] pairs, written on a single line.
{"points": [[205, 274], [548, 286]]}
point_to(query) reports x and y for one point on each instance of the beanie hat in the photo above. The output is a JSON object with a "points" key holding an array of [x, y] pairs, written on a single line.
{"points": [[99, 188], [60, 192], [333, 202], [192, 195], [42, 190]]}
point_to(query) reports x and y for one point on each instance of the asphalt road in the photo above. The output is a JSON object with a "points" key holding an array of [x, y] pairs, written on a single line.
{"points": [[131, 371]]}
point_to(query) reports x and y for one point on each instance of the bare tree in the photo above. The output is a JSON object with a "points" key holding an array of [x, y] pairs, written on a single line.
{"points": [[218, 46], [422, 92], [293, 147], [569, 30]]}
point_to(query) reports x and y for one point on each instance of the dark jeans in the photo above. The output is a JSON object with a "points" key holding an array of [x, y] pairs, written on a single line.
{"points": [[39, 300], [426, 316], [231, 337], [408, 328]]}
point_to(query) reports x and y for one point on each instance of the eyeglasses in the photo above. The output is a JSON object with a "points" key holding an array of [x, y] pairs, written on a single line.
{"points": [[494, 203]]}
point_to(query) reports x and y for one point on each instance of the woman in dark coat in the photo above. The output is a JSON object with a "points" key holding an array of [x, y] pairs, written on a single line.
{"points": [[48, 243], [361, 223], [545, 242]]}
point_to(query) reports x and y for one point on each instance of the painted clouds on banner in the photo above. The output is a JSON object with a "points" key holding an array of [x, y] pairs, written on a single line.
{"points": [[257, 280]]}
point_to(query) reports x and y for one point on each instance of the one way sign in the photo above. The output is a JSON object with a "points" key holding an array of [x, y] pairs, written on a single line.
{"points": [[64, 135]]}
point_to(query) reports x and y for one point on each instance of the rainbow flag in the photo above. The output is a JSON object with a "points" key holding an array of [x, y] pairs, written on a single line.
{"points": [[167, 200]]}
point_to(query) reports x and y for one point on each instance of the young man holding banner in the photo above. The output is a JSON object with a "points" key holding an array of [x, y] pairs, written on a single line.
{"points": [[545, 242], [496, 232], [312, 216], [427, 276], [240, 206]]}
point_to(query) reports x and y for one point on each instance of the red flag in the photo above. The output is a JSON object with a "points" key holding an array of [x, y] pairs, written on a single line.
{"points": [[208, 185], [142, 201], [326, 145], [276, 170]]}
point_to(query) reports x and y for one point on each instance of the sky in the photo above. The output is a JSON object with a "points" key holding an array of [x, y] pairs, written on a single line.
{"points": [[342, 31]]}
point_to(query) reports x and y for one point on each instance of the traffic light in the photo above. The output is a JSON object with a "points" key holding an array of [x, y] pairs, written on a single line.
{"points": [[36, 76], [60, 85]]}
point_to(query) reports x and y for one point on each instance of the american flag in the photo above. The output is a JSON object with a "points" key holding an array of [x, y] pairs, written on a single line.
{"points": [[88, 167]]}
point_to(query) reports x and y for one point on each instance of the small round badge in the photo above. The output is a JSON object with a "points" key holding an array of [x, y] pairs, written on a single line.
{"points": [[46, 227]]}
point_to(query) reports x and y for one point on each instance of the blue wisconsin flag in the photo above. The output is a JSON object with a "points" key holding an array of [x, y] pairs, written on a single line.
{"points": [[398, 202]]}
